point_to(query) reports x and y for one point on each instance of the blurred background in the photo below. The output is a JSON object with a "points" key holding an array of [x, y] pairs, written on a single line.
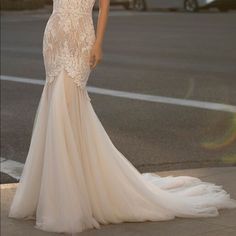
{"points": [[169, 66], [138, 5]]}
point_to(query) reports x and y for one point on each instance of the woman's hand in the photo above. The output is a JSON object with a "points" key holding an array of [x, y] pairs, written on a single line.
{"points": [[96, 52], [95, 56]]}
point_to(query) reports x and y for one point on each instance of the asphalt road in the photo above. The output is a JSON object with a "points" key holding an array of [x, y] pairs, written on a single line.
{"points": [[167, 54]]}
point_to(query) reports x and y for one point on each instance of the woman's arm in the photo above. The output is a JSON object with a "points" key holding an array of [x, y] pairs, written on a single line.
{"points": [[96, 52]]}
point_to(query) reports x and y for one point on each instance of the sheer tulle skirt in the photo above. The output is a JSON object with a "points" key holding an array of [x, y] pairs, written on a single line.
{"points": [[74, 178]]}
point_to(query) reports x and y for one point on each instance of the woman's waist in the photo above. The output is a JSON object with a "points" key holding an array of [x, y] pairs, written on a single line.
{"points": [[69, 11]]}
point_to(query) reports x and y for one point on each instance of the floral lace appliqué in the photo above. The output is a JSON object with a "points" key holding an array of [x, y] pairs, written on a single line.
{"points": [[68, 39]]}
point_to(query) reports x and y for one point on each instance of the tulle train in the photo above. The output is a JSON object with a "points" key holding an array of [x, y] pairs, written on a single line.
{"points": [[74, 178]]}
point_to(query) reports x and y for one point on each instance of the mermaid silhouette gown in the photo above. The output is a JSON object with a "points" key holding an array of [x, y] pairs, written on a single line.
{"points": [[74, 178]]}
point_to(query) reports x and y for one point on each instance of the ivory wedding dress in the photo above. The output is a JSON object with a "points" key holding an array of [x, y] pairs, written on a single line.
{"points": [[74, 178]]}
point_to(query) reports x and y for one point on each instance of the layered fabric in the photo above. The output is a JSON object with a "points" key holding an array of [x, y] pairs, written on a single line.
{"points": [[74, 178]]}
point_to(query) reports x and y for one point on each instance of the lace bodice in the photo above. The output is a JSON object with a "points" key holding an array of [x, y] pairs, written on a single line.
{"points": [[68, 38], [83, 6]]}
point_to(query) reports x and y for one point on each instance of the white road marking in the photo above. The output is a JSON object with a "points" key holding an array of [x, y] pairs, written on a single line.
{"points": [[12, 168], [22, 80], [137, 96]]}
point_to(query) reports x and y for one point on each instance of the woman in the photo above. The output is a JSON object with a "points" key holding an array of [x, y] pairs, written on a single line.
{"points": [[74, 178]]}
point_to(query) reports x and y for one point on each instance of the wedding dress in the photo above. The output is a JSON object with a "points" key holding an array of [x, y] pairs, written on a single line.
{"points": [[74, 178]]}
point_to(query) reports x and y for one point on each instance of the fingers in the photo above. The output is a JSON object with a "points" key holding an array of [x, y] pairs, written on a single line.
{"points": [[94, 61], [93, 65]]}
